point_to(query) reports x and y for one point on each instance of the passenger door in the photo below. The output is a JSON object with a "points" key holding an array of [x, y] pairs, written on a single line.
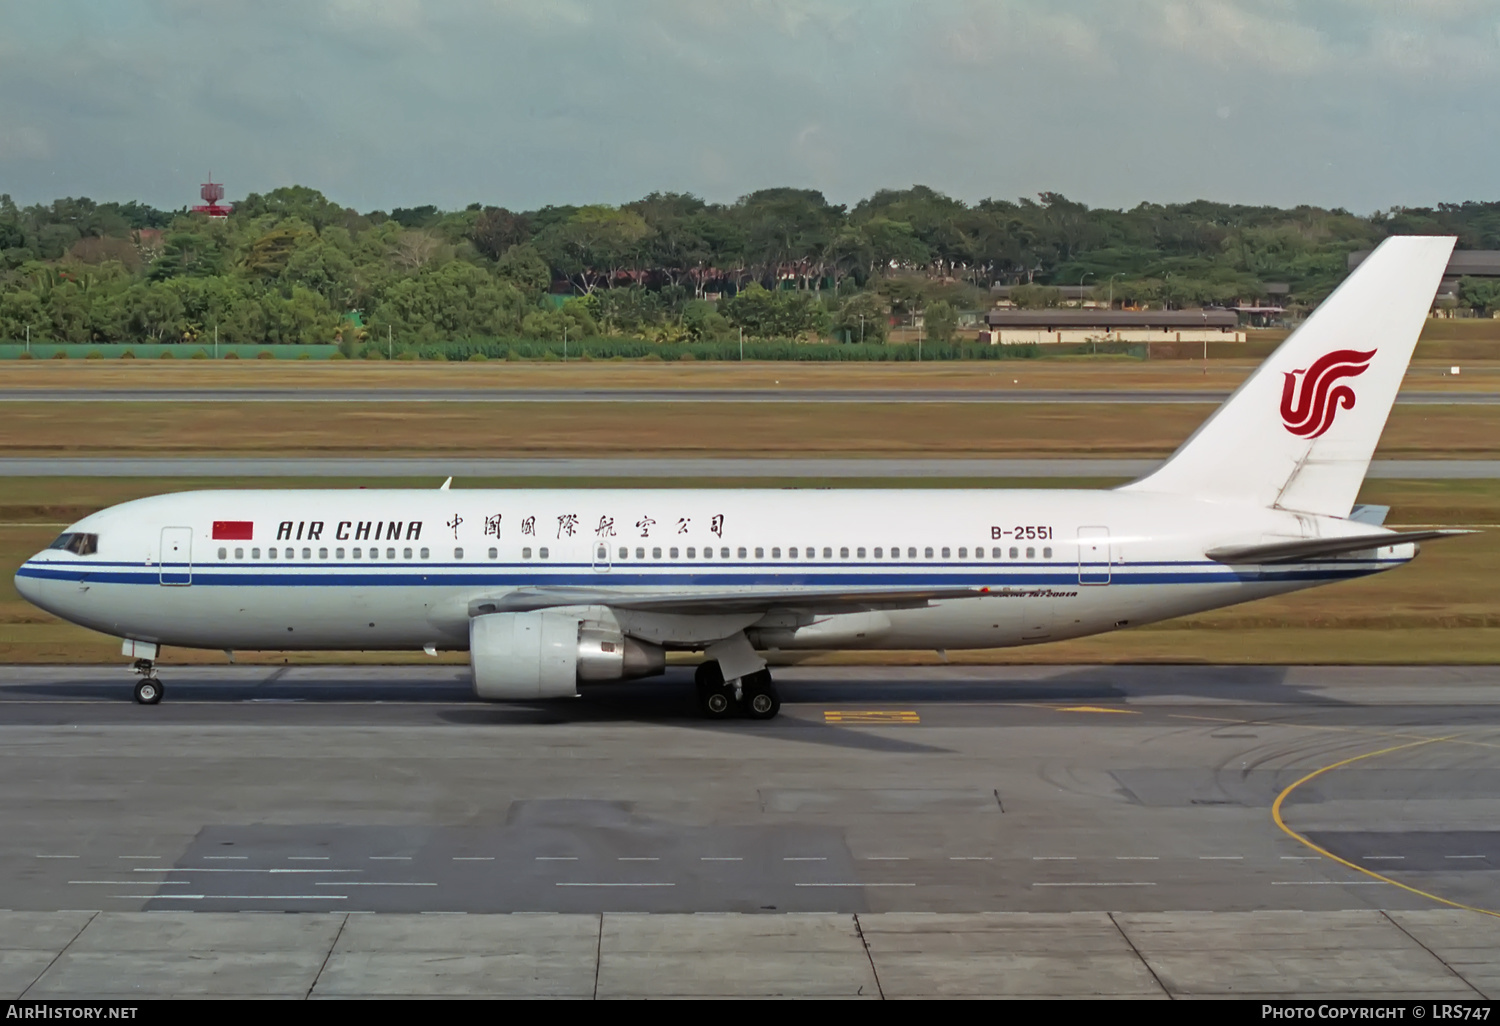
{"points": [[176, 564]]}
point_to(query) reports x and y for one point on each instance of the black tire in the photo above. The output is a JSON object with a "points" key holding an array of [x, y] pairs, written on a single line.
{"points": [[761, 702], [148, 691], [716, 702]]}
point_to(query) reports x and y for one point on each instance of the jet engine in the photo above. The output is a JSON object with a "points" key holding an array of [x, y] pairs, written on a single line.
{"points": [[544, 654]]}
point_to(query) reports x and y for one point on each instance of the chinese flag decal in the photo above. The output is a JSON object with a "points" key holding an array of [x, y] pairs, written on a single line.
{"points": [[233, 530]]}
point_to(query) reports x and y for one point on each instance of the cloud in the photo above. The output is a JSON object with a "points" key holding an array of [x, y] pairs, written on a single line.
{"points": [[397, 102]]}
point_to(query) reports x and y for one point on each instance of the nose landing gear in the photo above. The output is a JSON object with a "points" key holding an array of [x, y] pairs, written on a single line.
{"points": [[148, 689]]}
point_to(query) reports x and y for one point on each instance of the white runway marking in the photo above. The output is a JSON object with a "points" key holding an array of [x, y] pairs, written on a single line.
{"points": [[1221, 858], [971, 858], [721, 858], [557, 858], [308, 858], [637, 858], [370, 883], [887, 858], [132, 883], [1098, 883], [57, 856], [147, 857], [390, 858], [237, 869], [1137, 858], [226, 858], [614, 885], [234, 897], [473, 858], [804, 858], [854, 885], [1465, 856], [1327, 883], [1054, 858]]}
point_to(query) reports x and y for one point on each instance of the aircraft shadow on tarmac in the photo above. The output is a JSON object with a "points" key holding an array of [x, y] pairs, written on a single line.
{"points": [[671, 696]]}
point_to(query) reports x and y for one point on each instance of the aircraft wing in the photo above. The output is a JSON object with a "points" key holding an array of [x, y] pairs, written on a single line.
{"points": [[811, 600], [1310, 549]]}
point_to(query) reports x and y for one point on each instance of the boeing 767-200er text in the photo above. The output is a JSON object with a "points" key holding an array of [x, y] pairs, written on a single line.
{"points": [[549, 588]]}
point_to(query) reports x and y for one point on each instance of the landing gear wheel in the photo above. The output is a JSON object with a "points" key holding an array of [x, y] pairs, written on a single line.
{"points": [[761, 702], [148, 691], [715, 699]]}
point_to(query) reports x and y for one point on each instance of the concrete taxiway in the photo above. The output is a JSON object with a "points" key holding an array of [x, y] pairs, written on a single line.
{"points": [[1145, 830], [699, 468], [1128, 396]]}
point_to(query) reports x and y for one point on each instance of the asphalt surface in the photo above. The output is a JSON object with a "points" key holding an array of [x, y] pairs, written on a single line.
{"points": [[625, 468], [939, 789], [1277, 833], [735, 395]]}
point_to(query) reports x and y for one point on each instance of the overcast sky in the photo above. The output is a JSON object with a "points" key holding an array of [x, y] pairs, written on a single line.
{"points": [[1364, 104]]}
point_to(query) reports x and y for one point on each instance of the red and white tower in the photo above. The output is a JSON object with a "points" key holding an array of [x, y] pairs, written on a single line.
{"points": [[212, 192]]}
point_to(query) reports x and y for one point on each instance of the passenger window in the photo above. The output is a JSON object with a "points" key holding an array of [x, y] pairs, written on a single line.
{"points": [[878, 551], [1046, 553], [322, 553], [791, 553], [692, 553], [945, 552], [339, 553], [995, 553], [911, 553], [307, 553], [358, 553], [423, 554], [723, 553], [708, 553], [624, 552], [963, 553], [525, 553], [827, 552], [760, 553], [239, 553], [602, 552], [1014, 552], [927, 552], [223, 553], [1030, 553], [743, 553], [255, 553], [656, 553], [844, 552], [457, 554], [775, 553], [494, 553], [639, 553], [859, 553], [674, 552], [542, 552]]}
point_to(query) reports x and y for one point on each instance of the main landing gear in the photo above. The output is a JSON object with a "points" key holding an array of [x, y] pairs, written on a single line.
{"points": [[752, 696], [148, 689]]}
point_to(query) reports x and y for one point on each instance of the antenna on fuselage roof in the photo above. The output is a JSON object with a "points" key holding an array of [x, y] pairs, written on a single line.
{"points": [[444, 486]]}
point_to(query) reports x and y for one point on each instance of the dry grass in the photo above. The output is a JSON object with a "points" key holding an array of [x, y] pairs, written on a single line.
{"points": [[1443, 608], [1226, 369], [677, 429]]}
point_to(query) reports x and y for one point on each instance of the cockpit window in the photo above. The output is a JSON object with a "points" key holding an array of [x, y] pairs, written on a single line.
{"points": [[78, 544]]}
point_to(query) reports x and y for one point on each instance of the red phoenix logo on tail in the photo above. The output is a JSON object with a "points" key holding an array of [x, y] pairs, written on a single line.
{"points": [[1308, 412]]}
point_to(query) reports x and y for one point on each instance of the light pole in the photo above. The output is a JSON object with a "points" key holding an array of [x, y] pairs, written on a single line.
{"points": [[565, 343], [28, 340], [742, 343], [1093, 343], [216, 341]]}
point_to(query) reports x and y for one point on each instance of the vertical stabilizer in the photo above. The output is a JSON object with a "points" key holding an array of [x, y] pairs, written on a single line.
{"points": [[1299, 433]]}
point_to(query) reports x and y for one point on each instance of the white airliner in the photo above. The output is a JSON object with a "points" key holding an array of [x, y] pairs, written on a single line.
{"points": [[549, 588]]}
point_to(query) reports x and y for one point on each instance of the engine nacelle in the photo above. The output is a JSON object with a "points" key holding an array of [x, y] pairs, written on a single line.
{"points": [[544, 654]]}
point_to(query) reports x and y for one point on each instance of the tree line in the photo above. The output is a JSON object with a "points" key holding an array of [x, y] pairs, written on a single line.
{"points": [[292, 266]]}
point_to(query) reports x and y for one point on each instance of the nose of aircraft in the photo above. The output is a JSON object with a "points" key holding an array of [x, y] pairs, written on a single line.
{"points": [[29, 588]]}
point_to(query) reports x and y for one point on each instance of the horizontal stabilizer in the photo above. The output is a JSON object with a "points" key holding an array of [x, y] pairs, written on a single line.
{"points": [[688, 603], [1310, 549]]}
